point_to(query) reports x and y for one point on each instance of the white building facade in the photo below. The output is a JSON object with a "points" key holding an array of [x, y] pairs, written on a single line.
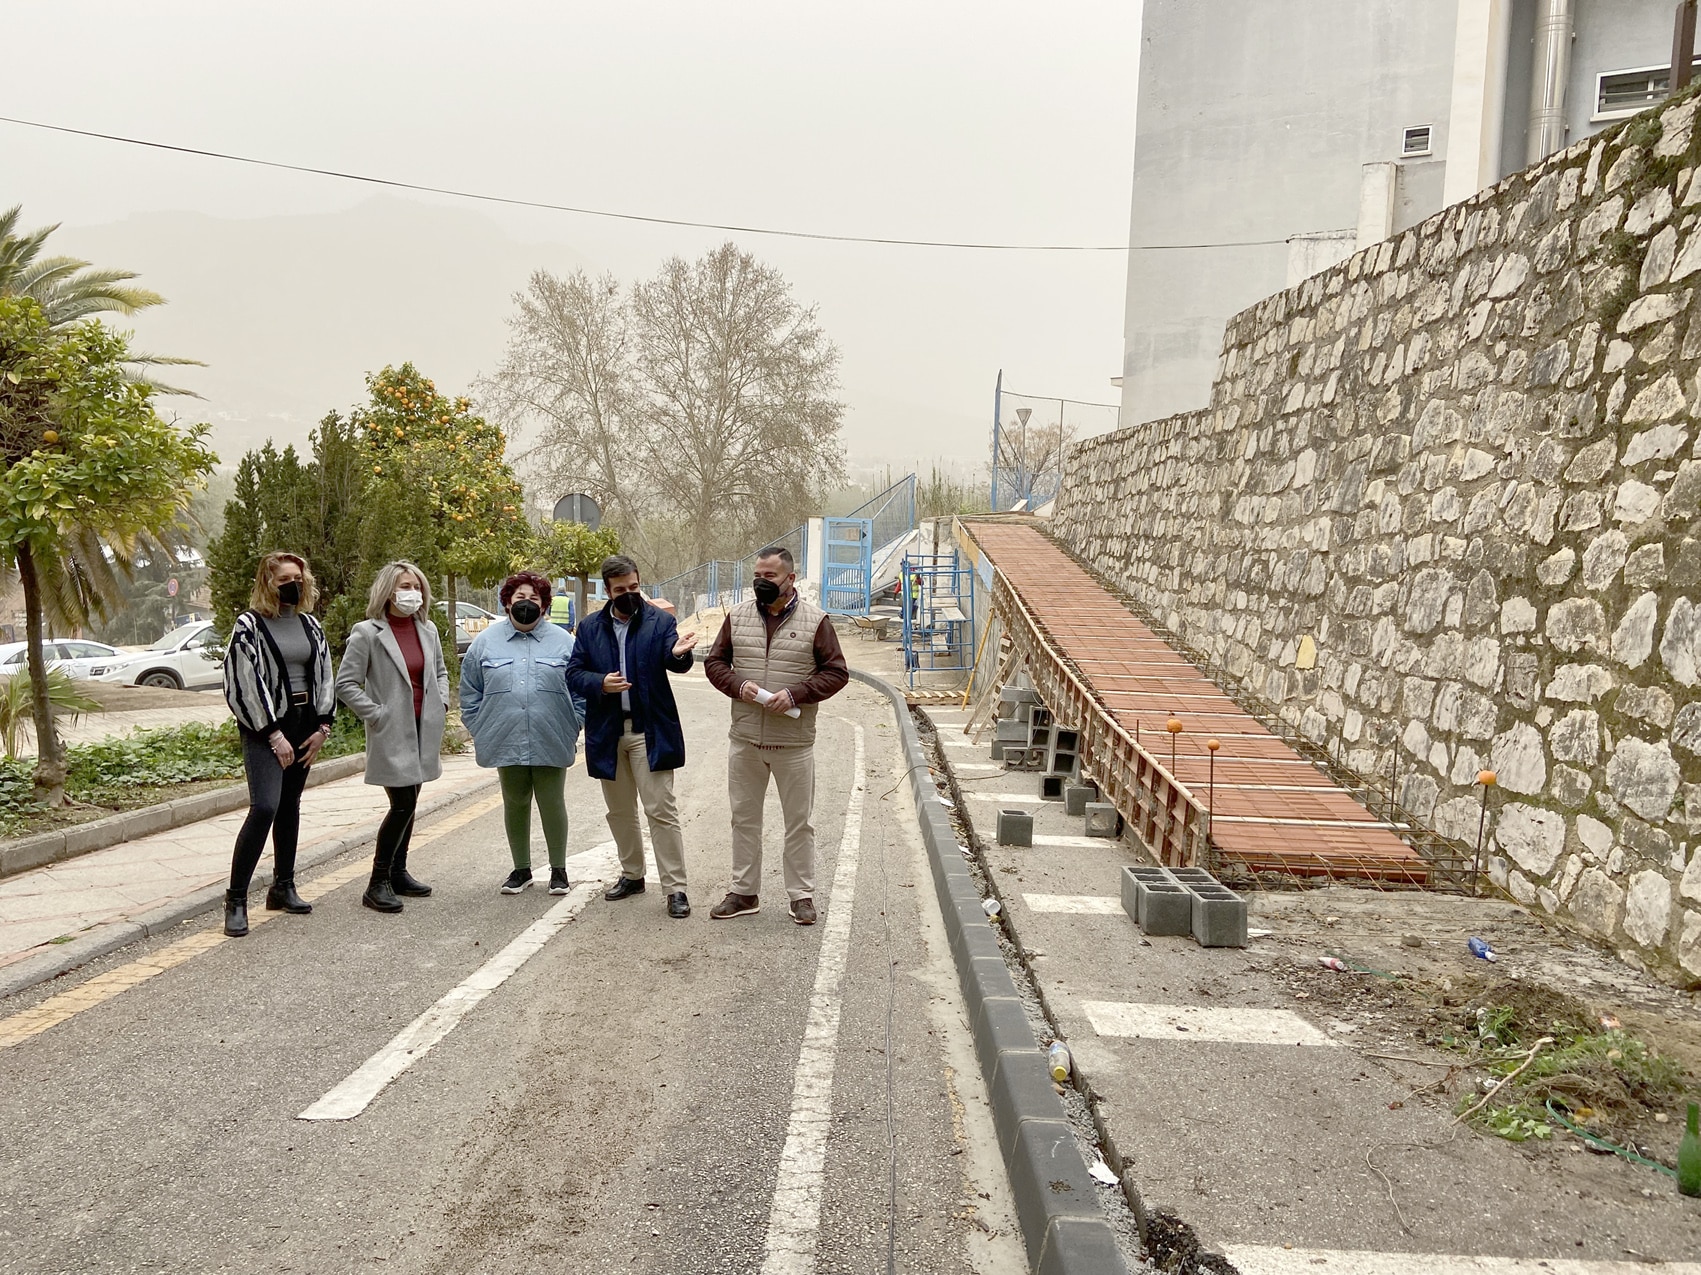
{"points": [[1276, 137]]}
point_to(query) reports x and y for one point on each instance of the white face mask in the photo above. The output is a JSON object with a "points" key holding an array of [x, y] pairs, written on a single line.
{"points": [[407, 601]]}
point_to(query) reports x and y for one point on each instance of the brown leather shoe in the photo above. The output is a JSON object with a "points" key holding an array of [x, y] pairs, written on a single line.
{"points": [[803, 911], [735, 905]]}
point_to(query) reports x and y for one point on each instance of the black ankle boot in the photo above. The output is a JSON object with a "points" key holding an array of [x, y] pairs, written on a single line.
{"points": [[403, 881], [235, 913], [283, 898], [380, 896]]}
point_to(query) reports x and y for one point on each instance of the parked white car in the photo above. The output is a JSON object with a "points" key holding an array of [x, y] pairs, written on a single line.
{"points": [[469, 623], [188, 657], [74, 657]]}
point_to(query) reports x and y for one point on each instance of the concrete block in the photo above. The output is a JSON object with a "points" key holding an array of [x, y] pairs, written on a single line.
{"points": [[1019, 1088], [31, 852], [1193, 876], [998, 750], [982, 978], [147, 821], [1015, 828], [1001, 1025], [1074, 1245], [1041, 716], [1039, 737], [1166, 907], [1024, 759], [1011, 732], [1076, 797], [1060, 762], [1068, 740], [1049, 1179], [1023, 713], [1218, 916], [1101, 819], [1014, 695], [1133, 875], [1051, 787], [92, 836]]}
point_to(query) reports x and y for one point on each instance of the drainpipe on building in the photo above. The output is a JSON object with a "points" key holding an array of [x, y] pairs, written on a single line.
{"points": [[1683, 46], [1551, 65]]}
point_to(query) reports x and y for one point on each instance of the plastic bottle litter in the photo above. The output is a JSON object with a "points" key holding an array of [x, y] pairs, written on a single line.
{"points": [[1481, 950], [1334, 963], [991, 907], [1058, 1062], [1689, 1154]]}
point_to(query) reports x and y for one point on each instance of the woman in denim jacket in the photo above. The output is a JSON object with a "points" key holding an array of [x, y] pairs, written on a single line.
{"points": [[525, 722]]}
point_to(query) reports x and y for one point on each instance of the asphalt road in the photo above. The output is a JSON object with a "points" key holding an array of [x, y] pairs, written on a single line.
{"points": [[620, 1103]]}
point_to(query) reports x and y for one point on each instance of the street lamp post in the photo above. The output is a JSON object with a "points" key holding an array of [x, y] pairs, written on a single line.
{"points": [[1022, 414]]}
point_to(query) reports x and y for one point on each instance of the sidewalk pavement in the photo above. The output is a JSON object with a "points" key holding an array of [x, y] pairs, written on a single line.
{"points": [[55, 903]]}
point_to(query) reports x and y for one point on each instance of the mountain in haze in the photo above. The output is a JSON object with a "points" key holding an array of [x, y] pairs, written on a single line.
{"points": [[289, 313]]}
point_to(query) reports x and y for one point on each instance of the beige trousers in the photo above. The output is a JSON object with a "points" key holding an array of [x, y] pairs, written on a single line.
{"points": [[793, 771], [634, 781]]}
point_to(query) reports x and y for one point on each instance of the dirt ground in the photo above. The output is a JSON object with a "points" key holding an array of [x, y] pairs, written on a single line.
{"points": [[1426, 988], [135, 699]]}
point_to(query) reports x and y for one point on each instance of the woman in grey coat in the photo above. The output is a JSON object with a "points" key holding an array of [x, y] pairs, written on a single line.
{"points": [[394, 678]]}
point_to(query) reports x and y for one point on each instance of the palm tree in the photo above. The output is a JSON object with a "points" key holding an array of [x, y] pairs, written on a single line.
{"points": [[65, 288], [69, 290], [85, 580]]}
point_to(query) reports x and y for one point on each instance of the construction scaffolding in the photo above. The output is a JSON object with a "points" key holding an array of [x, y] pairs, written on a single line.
{"points": [[937, 594]]}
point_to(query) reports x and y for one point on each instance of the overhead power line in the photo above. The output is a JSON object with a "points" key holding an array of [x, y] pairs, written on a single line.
{"points": [[515, 202]]}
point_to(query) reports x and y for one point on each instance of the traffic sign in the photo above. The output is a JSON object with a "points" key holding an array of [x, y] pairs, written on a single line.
{"points": [[579, 507], [171, 587]]}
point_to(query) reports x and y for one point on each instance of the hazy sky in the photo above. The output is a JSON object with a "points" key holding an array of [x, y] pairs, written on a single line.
{"points": [[983, 121]]}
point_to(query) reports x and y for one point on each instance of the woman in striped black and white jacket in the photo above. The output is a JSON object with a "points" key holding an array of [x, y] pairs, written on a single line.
{"points": [[277, 681]]}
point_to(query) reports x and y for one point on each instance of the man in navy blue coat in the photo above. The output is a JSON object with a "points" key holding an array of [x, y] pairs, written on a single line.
{"points": [[633, 741]]}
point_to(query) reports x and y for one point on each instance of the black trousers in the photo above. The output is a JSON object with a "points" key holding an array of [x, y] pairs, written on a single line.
{"points": [[396, 832], [274, 800]]}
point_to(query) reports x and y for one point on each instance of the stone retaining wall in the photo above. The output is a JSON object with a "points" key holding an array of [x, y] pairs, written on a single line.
{"points": [[1463, 463]]}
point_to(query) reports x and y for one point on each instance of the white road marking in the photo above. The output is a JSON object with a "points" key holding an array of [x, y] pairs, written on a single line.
{"points": [[794, 1222], [978, 768], [1193, 1023], [1260, 1259], [351, 1097], [1032, 798], [1087, 904], [1074, 843]]}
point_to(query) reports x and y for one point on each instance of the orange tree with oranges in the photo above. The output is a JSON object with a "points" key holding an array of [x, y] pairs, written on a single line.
{"points": [[89, 471], [440, 489]]}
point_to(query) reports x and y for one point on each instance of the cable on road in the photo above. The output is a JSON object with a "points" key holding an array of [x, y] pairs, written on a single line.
{"points": [[650, 219]]}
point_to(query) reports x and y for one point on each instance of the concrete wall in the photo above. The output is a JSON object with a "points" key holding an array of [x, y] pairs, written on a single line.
{"points": [[1612, 35], [1465, 463], [1255, 119]]}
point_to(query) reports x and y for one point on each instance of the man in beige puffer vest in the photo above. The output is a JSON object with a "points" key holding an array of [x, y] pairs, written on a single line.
{"points": [[780, 645]]}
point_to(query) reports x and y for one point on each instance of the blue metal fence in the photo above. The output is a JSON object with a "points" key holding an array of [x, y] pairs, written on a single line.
{"points": [[859, 546]]}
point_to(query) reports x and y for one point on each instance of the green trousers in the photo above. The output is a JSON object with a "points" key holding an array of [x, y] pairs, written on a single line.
{"points": [[520, 784]]}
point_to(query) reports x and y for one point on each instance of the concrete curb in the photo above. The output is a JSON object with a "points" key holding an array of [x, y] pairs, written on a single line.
{"points": [[55, 847], [112, 935], [1056, 1201]]}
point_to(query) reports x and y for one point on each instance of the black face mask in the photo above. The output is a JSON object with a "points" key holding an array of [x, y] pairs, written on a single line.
{"points": [[626, 605], [525, 611], [290, 594], [766, 591]]}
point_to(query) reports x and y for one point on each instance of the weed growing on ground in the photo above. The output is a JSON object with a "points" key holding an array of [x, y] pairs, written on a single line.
{"points": [[1599, 1076]]}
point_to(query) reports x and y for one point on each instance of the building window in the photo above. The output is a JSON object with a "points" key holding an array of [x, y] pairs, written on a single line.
{"points": [[1416, 141], [1622, 93]]}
